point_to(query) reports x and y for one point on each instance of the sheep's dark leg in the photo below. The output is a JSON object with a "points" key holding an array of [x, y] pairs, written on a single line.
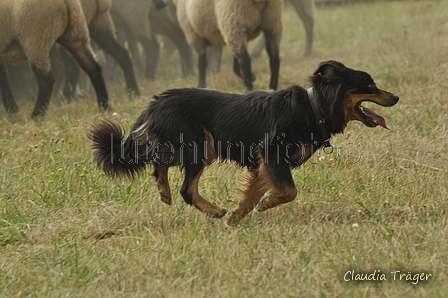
{"points": [[125, 33], [272, 47], [108, 43], [214, 58], [202, 65], [237, 70], [133, 49], [8, 98], [87, 61], [152, 53], [243, 61], [71, 75], [186, 55], [45, 83], [236, 67], [172, 30]]}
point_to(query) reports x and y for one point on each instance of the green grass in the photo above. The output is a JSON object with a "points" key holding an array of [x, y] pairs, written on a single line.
{"points": [[68, 230]]}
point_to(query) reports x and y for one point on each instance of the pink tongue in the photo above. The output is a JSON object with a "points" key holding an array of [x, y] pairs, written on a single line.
{"points": [[379, 120]]}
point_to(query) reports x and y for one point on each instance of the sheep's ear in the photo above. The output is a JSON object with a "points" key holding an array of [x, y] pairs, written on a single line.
{"points": [[328, 68]]}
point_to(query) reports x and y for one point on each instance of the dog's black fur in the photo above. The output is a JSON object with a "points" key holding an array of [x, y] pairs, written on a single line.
{"points": [[267, 132]]}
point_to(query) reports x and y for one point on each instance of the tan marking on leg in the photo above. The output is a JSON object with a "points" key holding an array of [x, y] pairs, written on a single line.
{"points": [[202, 204], [163, 185], [281, 193], [210, 152], [255, 188], [279, 196]]}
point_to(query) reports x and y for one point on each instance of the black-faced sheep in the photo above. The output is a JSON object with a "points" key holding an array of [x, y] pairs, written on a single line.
{"points": [[233, 23], [102, 31], [30, 29]]}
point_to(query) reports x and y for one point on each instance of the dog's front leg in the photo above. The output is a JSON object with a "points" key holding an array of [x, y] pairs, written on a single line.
{"points": [[278, 197], [282, 185], [254, 189]]}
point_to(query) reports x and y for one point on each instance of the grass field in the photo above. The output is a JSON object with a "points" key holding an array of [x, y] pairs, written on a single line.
{"points": [[378, 203]]}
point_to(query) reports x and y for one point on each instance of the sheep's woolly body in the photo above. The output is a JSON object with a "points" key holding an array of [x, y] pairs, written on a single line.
{"points": [[233, 23], [97, 14], [220, 22], [31, 28]]}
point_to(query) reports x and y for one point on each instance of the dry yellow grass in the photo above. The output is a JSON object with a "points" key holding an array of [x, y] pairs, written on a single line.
{"points": [[68, 230]]}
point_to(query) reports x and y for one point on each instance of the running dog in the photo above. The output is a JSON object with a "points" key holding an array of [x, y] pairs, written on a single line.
{"points": [[269, 132]]}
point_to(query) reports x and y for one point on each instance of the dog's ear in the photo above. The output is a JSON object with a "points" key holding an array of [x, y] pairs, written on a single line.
{"points": [[329, 68]]}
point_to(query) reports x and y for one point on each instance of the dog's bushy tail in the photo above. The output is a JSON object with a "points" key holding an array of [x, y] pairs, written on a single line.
{"points": [[112, 154]]}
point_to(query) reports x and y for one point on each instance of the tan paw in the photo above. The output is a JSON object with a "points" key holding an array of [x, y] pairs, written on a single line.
{"points": [[165, 198], [262, 205]]}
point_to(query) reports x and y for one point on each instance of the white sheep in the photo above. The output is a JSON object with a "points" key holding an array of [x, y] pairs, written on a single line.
{"points": [[102, 31], [233, 23], [30, 29]]}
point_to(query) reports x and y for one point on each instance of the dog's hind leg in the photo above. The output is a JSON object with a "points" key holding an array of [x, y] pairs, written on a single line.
{"points": [[190, 192], [161, 175], [282, 185], [254, 189]]}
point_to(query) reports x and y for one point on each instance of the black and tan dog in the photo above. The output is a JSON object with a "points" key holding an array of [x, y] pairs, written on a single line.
{"points": [[267, 132]]}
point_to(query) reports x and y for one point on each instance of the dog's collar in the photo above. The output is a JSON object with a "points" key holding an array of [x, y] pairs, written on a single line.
{"points": [[320, 121]]}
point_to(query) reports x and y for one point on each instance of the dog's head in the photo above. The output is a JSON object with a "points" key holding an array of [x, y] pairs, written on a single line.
{"points": [[343, 90]]}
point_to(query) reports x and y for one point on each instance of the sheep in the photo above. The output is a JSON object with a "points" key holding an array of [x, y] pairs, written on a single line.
{"points": [[233, 23], [102, 31], [30, 29], [306, 9], [132, 21], [8, 99], [164, 22]]}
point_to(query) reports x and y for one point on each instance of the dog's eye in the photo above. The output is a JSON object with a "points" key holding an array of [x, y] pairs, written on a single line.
{"points": [[373, 87]]}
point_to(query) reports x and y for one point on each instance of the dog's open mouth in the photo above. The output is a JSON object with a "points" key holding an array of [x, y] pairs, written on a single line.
{"points": [[371, 118]]}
